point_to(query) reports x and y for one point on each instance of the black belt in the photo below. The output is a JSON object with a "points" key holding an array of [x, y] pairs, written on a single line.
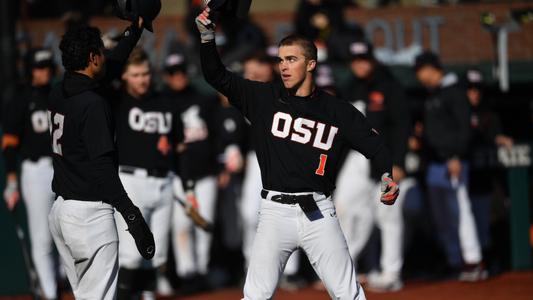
{"points": [[160, 173], [306, 202], [287, 198]]}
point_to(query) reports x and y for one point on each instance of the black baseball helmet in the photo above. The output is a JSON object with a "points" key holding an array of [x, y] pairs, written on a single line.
{"points": [[131, 9]]}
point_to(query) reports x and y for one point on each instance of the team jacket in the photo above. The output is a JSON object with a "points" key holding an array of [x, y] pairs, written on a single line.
{"points": [[26, 127], [299, 140], [447, 121], [147, 131], [382, 100], [82, 131]]}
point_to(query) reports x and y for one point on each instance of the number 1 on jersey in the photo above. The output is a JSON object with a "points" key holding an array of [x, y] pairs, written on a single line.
{"points": [[321, 165]]}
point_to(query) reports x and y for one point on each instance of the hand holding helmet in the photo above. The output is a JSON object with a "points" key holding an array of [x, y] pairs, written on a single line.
{"points": [[131, 10]]}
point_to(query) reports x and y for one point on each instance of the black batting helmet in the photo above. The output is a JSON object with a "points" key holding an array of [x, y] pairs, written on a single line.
{"points": [[131, 9]]}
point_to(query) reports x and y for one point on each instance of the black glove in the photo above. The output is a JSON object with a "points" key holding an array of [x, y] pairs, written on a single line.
{"points": [[139, 230]]}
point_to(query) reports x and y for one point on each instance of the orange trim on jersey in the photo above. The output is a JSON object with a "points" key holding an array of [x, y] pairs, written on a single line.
{"points": [[10, 140]]}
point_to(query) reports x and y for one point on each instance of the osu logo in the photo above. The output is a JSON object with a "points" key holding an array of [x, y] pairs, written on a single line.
{"points": [[195, 128], [303, 131], [150, 122]]}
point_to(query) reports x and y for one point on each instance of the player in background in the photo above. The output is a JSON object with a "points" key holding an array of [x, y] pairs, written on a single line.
{"points": [[301, 133], [26, 135], [197, 170], [487, 135], [86, 179], [257, 68], [447, 135], [231, 135], [147, 132], [374, 91]]}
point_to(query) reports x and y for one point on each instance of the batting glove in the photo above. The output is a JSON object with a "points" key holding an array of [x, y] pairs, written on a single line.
{"points": [[389, 190], [139, 230], [205, 26], [11, 194]]}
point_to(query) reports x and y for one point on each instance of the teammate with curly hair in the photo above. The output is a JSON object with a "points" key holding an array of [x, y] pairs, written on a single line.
{"points": [[85, 178]]}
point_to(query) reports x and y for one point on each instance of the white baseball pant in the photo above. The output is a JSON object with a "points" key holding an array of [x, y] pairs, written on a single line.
{"points": [[321, 239], [250, 203], [36, 188], [468, 237], [192, 245], [352, 199], [249, 208], [153, 196], [86, 238]]}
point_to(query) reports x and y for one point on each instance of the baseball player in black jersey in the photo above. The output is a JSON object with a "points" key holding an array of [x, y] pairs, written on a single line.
{"points": [[302, 132], [147, 132], [197, 164], [26, 133], [86, 179], [231, 136]]}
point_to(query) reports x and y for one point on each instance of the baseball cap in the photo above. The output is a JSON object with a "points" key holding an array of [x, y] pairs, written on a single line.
{"points": [[324, 76], [427, 58], [474, 78], [175, 62], [41, 58], [361, 49]]}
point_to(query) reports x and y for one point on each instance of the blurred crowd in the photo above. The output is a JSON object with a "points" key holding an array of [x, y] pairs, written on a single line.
{"points": [[444, 137], [57, 8]]}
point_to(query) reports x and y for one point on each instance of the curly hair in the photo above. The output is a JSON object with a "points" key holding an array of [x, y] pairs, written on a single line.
{"points": [[76, 46]]}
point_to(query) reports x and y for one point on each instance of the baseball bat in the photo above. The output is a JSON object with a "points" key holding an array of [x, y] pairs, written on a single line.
{"points": [[195, 216], [33, 279]]}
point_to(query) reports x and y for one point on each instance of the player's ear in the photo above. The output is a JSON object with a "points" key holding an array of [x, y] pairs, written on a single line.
{"points": [[93, 60], [311, 65]]}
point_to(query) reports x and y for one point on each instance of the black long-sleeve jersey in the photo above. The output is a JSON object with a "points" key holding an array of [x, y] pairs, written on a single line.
{"points": [[147, 131], [299, 140], [197, 113], [385, 107], [26, 127], [447, 121], [82, 131]]}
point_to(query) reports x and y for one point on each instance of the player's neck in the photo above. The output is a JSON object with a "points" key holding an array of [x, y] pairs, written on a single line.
{"points": [[133, 93], [87, 72], [305, 89]]}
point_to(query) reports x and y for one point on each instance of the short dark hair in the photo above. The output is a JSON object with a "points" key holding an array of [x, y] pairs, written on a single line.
{"points": [[427, 58], [76, 46], [307, 45]]}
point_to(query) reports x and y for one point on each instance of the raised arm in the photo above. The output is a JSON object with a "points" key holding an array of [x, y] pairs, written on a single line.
{"points": [[116, 58], [241, 93]]}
